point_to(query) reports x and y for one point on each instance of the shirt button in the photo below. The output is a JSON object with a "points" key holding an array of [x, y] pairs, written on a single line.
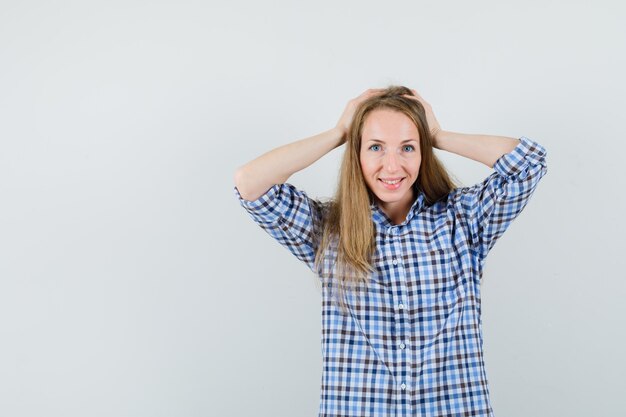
{"points": [[402, 346], [400, 306], [395, 261], [403, 386]]}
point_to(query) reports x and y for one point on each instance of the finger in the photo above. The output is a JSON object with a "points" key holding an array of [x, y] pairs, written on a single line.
{"points": [[370, 91], [418, 98]]}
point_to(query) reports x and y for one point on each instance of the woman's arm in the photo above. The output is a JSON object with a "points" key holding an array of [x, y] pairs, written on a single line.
{"points": [[482, 148], [276, 166]]}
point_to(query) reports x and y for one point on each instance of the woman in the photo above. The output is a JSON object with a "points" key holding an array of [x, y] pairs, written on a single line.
{"points": [[403, 247]]}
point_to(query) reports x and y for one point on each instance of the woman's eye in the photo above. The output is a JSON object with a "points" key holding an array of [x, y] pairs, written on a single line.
{"points": [[374, 146], [411, 148]]}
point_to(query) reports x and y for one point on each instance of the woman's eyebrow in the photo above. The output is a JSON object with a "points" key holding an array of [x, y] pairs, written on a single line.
{"points": [[382, 141]]}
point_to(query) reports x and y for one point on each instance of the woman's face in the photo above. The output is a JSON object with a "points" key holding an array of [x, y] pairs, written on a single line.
{"points": [[390, 151]]}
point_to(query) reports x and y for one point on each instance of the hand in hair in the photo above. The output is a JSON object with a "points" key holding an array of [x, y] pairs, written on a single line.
{"points": [[348, 114], [433, 124]]}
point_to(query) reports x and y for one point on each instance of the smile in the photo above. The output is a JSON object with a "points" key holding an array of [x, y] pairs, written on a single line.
{"points": [[391, 185]]}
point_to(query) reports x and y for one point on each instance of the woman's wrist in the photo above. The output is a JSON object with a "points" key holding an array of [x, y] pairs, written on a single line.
{"points": [[340, 133], [437, 135]]}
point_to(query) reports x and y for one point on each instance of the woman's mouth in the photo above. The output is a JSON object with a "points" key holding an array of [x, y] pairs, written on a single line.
{"points": [[391, 185]]}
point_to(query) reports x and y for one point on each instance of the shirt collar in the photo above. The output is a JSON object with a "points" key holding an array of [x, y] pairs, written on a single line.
{"points": [[381, 218]]}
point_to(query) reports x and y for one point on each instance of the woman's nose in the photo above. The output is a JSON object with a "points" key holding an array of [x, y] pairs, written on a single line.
{"points": [[391, 162]]}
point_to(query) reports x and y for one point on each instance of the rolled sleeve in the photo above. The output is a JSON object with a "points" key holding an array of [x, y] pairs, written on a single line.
{"points": [[265, 209], [491, 206], [290, 216]]}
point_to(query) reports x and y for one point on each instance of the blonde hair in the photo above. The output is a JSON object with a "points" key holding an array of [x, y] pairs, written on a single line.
{"points": [[348, 226]]}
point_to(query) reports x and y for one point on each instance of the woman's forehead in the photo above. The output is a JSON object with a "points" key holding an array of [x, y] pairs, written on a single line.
{"points": [[389, 127]]}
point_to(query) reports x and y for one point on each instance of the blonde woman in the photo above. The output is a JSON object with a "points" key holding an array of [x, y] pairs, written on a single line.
{"points": [[399, 251]]}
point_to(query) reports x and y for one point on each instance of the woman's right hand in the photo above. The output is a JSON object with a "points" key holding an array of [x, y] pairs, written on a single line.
{"points": [[348, 114]]}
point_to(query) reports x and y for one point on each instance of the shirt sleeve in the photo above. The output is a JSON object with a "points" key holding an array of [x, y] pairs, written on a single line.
{"points": [[491, 206], [291, 217]]}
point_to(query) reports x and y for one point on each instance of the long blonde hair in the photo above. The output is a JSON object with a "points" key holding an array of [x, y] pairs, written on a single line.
{"points": [[348, 224]]}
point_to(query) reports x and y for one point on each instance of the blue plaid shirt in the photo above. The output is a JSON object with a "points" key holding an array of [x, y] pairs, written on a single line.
{"points": [[412, 345]]}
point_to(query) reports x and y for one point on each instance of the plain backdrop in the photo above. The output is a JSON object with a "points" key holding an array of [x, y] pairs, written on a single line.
{"points": [[133, 284]]}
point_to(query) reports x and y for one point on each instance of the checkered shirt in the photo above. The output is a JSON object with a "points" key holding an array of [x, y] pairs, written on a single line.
{"points": [[412, 344]]}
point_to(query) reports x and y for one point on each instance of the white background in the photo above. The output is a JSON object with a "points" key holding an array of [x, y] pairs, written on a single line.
{"points": [[133, 284]]}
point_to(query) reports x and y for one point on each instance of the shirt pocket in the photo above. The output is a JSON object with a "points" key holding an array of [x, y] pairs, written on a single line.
{"points": [[434, 281]]}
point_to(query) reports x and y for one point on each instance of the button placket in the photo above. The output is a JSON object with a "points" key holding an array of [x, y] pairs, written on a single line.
{"points": [[395, 261]]}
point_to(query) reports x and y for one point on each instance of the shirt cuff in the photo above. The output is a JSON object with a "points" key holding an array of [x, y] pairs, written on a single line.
{"points": [[516, 163], [263, 209]]}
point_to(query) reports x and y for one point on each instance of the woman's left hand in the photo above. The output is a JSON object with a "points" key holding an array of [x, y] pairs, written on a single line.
{"points": [[433, 124]]}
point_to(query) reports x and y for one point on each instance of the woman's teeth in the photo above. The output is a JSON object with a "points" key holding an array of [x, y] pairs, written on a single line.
{"points": [[392, 185]]}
